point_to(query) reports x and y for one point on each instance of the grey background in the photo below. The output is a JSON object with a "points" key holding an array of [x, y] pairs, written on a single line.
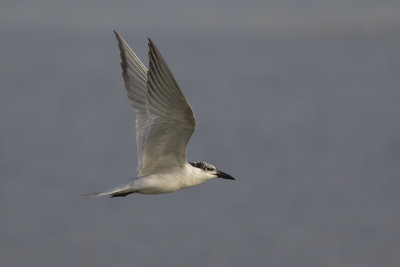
{"points": [[299, 100]]}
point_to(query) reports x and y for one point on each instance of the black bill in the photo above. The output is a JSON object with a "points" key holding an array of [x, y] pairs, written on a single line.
{"points": [[224, 175]]}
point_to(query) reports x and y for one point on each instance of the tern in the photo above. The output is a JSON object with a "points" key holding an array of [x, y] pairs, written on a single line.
{"points": [[164, 124]]}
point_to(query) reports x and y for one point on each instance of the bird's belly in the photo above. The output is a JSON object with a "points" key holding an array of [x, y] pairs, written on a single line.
{"points": [[158, 185], [164, 183], [156, 189]]}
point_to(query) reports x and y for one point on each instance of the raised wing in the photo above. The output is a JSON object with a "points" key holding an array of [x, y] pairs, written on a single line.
{"points": [[135, 77], [164, 119], [172, 123]]}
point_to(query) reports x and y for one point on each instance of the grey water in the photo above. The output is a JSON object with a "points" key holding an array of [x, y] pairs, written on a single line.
{"points": [[298, 100]]}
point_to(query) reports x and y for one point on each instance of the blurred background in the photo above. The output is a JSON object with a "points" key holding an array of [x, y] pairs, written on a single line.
{"points": [[299, 100]]}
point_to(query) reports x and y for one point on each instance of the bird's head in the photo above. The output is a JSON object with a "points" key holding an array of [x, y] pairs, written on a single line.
{"points": [[210, 170]]}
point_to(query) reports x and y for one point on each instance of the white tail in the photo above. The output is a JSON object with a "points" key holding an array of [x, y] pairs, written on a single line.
{"points": [[121, 190]]}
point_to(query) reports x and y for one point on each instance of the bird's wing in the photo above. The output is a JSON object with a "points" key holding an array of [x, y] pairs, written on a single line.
{"points": [[135, 77], [164, 119], [172, 120]]}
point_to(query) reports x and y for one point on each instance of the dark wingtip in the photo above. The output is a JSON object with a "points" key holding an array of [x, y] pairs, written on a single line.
{"points": [[152, 46], [116, 34], [122, 53], [119, 38], [121, 194]]}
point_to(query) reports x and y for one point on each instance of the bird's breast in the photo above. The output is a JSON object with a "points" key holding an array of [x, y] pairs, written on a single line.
{"points": [[166, 181]]}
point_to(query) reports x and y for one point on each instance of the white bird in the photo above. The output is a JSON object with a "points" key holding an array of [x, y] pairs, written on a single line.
{"points": [[164, 125]]}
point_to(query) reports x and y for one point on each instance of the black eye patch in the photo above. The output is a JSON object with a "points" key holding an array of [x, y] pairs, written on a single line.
{"points": [[203, 165]]}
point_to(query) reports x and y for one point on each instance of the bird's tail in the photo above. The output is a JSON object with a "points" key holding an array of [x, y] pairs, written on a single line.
{"points": [[119, 191]]}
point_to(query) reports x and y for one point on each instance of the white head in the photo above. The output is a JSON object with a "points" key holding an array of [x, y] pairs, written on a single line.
{"points": [[209, 171]]}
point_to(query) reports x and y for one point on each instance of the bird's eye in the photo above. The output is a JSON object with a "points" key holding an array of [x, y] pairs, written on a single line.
{"points": [[210, 169]]}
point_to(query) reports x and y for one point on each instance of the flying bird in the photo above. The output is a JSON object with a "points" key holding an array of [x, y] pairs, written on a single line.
{"points": [[164, 124]]}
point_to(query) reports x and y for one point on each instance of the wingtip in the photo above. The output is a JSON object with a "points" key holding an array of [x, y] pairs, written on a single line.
{"points": [[150, 42], [117, 35]]}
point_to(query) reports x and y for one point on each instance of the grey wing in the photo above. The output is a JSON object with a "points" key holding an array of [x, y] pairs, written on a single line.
{"points": [[172, 123], [135, 77]]}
